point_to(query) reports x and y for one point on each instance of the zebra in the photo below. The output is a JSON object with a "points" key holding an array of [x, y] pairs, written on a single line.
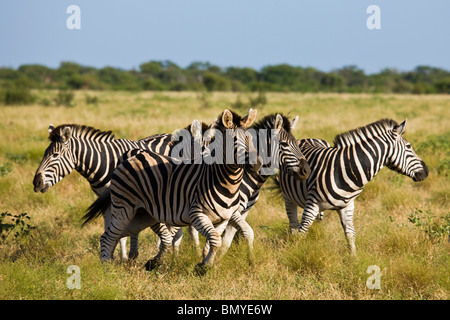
{"points": [[339, 173], [94, 154], [286, 154], [288, 158], [159, 191]]}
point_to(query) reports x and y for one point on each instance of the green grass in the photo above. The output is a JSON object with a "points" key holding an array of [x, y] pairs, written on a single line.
{"points": [[413, 264]]}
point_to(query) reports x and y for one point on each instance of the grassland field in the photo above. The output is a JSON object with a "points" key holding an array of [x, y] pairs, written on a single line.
{"points": [[400, 224]]}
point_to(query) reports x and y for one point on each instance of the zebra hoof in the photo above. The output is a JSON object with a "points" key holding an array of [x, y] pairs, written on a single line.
{"points": [[133, 255], [151, 264], [294, 231], [201, 269]]}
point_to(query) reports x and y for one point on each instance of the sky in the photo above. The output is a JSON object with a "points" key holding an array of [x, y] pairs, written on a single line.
{"points": [[324, 34]]}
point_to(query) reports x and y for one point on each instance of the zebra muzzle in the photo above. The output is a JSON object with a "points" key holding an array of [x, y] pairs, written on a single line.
{"points": [[39, 185], [422, 174], [304, 170]]}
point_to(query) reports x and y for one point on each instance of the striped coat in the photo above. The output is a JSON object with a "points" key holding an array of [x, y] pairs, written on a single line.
{"points": [[339, 173], [166, 193]]}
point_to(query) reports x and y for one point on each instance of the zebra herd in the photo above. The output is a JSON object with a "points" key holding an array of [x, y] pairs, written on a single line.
{"points": [[214, 181]]}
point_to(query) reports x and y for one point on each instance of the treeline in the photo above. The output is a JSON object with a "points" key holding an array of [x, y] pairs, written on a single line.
{"points": [[200, 76]]}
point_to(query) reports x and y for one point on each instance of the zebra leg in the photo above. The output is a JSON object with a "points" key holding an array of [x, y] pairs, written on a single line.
{"points": [[134, 246], [123, 241], [291, 211], [230, 231], [309, 215], [194, 237], [220, 229], [123, 248], [238, 221], [346, 215], [165, 235], [204, 225], [320, 216], [177, 233], [120, 219]]}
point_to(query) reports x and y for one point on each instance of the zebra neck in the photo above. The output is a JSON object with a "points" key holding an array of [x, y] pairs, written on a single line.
{"points": [[227, 178], [96, 160], [363, 160], [254, 181]]}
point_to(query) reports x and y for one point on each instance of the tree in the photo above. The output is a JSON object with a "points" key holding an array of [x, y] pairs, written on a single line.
{"points": [[332, 82], [355, 79], [215, 82]]}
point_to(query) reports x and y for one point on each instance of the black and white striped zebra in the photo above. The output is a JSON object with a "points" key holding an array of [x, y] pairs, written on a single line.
{"points": [[339, 173], [155, 188], [284, 153], [91, 152], [273, 137]]}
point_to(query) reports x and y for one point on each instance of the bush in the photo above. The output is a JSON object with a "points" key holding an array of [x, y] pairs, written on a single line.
{"points": [[64, 98], [45, 102], [16, 96], [426, 221], [15, 225], [91, 100], [5, 169], [259, 101], [443, 86], [214, 82], [18, 92]]}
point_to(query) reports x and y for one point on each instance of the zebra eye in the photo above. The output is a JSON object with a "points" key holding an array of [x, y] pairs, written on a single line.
{"points": [[408, 146], [55, 155]]}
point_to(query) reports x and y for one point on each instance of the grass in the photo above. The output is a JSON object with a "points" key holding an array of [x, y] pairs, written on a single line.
{"points": [[413, 264]]}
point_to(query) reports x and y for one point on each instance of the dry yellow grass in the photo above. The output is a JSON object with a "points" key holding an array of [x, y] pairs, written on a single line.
{"points": [[413, 265]]}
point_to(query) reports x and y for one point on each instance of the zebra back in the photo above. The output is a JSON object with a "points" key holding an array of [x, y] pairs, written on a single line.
{"points": [[339, 173]]}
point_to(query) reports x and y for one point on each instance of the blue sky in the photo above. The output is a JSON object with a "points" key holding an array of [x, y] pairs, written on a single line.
{"points": [[325, 34]]}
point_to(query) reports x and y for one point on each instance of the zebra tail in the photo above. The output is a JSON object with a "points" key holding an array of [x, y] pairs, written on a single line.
{"points": [[98, 207]]}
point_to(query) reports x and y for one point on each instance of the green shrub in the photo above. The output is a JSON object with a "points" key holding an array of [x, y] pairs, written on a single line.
{"points": [[426, 221], [19, 158], [5, 169], [259, 101], [45, 102], [18, 92], [91, 100], [15, 225], [64, 98]]}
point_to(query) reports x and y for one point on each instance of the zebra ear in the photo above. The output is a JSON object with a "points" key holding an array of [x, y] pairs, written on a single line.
{"points": [[196, 130], [248, 119], [400, 128], [227, 119], [278, 122], [50, 128], [176, 134], [294, 123], [66, 134]]}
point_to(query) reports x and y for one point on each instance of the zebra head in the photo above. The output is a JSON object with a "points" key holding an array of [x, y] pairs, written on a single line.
{"points": [[279, 148], [57, 161], [291, 159], [237, 145], [403, 159]]}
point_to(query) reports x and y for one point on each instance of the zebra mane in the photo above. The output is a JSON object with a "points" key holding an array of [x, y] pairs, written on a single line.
{"points": [[56, 133], [348, 138], [268, 122]]}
